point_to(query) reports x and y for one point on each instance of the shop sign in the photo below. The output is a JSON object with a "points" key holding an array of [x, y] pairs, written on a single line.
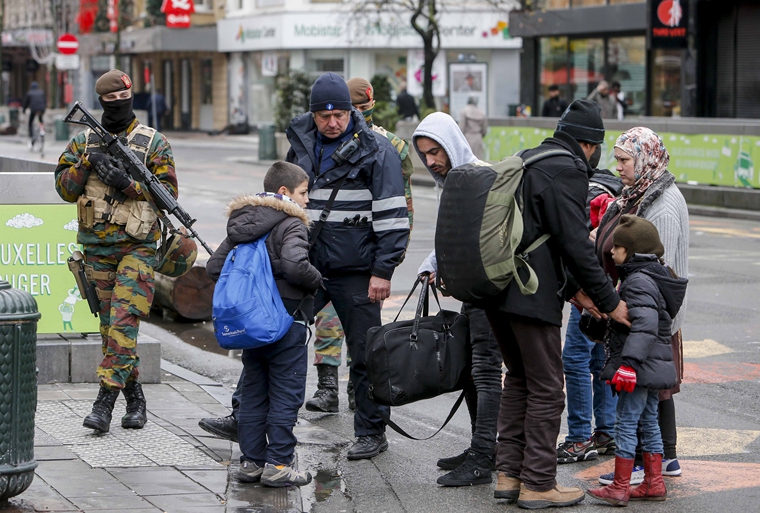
{"points": [[415, 69], [178, 12], [66, 62], [389, 30], [467, 80], [35, 242], [668, 24]]}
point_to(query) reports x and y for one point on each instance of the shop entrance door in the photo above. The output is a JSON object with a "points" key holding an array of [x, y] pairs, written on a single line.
{"points": [[168, 89], [185, 99]]}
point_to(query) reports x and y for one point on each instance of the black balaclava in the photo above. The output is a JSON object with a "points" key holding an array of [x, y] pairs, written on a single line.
{"points": [[117, 114], [595, 157]]}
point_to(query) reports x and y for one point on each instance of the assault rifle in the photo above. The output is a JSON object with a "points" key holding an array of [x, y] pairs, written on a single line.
{"points": [[152, 187]]}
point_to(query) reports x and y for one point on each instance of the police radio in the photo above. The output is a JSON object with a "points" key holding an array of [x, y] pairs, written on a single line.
{"points": [[345, 150]]}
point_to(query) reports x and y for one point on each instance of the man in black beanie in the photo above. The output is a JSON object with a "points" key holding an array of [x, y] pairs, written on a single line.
{"points": [[359, 237], [527, 328]]}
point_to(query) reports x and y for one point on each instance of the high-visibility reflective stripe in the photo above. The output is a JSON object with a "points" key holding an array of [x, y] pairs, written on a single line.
{"points": [[337, 216], [343, 195], [389, 203], [391, 224]]}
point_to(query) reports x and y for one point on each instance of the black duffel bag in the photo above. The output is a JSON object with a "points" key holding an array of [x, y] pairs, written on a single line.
{"points": [[425, 357]]}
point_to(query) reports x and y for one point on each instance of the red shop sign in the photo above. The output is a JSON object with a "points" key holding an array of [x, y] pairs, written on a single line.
{"points": [[668, 23], [178, 12]]}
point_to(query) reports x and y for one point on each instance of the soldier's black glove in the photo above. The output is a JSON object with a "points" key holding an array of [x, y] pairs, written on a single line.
{"points": [[112, 173]]}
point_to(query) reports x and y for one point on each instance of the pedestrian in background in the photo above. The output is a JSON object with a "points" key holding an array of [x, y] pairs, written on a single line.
{"points": [[274, 383], [36, 102], [527, 328], [441, 146], [161, 109], [619, 96], [119, 252], [554, 106], [406, 105], [650, 192], [640, 362], [474, 125], [606, 102]]}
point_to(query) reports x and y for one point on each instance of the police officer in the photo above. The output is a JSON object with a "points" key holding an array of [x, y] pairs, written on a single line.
{"points": [[329, 332], [119, 233], [364, 236]]}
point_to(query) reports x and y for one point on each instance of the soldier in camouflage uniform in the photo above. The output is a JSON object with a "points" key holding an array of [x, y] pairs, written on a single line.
{"points": [[329, 332], [119, 232]]}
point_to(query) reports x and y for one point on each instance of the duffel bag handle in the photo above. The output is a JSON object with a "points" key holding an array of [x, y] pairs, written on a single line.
{"points": [[400, 431], [414, 287]]}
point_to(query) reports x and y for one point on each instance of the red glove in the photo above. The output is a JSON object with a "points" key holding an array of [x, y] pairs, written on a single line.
{"points": [[624, 379]]}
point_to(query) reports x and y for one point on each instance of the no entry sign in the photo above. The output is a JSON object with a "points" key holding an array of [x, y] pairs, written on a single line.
{"points": [[67, 44]]}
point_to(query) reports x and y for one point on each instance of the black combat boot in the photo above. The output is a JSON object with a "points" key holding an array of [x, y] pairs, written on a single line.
{"points": [[100, 417], [351, 395], [136, 416], [326, 397]]}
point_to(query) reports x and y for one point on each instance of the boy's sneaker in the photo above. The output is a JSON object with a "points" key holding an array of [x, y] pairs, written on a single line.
{"points": [[671, 467], [283, 475], [570, 452], [604, 443], [249, 472], [637, 476]]}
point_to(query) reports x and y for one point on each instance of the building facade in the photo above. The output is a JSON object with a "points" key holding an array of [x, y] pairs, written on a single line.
{"points": [[265, 37], [672, 57]]}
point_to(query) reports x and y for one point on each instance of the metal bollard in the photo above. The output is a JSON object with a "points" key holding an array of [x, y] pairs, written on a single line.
{"points": [[18, 389]]}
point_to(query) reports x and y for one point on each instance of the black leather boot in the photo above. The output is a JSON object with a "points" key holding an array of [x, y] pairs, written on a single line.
{"points": [[326, 397], [136, 416], [100, 417]]}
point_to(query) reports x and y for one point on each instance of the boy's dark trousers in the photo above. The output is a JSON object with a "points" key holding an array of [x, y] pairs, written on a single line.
{"points": [[273, 390], [348, 293]]}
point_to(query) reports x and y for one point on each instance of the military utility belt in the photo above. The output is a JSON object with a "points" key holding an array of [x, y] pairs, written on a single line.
{"points": [[101, 203]]}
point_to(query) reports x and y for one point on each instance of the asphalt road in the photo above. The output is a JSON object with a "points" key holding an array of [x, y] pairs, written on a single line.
{"points": [[718, 411]]}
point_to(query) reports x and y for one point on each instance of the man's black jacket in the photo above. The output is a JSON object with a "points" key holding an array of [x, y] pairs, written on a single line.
{"points": [[554, 202], [374, 241]]}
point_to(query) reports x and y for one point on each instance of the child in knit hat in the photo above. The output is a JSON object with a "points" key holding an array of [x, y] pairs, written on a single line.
{"points": [[639, 358]]}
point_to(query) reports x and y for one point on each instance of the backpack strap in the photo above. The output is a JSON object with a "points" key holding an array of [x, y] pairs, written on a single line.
{"points": [[543, 155], [326, 211]]}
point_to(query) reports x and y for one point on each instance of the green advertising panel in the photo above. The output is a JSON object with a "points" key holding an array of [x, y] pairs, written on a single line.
{"points": [[35, 241], [704, 159]]}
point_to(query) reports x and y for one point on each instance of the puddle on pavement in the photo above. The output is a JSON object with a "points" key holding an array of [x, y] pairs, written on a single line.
{"points": [[326, 480]]}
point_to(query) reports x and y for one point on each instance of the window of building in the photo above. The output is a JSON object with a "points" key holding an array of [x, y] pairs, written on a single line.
{"points": [[666, 82], [207, 79], [320, 66], [578, 65], [565, 4]]}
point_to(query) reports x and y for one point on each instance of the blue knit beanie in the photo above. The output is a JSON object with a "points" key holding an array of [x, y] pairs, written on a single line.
{"points": [[330, 92]]}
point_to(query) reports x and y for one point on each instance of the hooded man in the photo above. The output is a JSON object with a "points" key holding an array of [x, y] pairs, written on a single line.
{"points": [[442, 147], [36, 102], [118, 230]]}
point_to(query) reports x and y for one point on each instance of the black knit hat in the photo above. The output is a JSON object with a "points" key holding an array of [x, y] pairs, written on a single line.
{"points": [[583, 122], [330, 92], [637, 235]]}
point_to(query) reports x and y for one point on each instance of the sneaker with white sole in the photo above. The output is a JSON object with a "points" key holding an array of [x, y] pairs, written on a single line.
{"points": [[249, 472], [671, 467], [283, 475], [571, 452], [637, 476]]}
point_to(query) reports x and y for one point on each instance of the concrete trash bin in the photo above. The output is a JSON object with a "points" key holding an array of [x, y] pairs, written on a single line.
{"points": [[267, 146], [18, 389], [61, 130]]}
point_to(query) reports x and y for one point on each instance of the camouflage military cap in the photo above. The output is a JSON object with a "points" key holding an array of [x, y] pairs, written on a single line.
{"points": [[177, 256], [112, 81]]}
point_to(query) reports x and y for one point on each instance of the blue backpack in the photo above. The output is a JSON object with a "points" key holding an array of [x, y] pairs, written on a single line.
{"points": [[247, 308]]}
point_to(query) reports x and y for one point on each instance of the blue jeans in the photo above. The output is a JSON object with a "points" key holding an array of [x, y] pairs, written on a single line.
{"points": [[580, 358], [272, 391], [633, 409]]}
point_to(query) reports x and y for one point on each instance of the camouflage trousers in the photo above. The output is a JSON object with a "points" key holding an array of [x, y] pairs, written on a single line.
{"points": [[329, 338], [126, 293]]}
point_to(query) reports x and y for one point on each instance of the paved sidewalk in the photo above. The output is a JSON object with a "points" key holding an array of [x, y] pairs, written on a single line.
{"points": [[171, 465]]}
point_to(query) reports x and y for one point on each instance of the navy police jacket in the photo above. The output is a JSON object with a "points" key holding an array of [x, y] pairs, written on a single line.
{"points": [[367, 228]]}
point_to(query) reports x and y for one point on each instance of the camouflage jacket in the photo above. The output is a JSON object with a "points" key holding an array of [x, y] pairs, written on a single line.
{"points": [[407, 167], [73, 170]]}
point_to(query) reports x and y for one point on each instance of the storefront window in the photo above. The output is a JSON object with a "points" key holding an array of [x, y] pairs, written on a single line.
{"points": [[666, 83], [553, 67], [207, 77], [587, 3], [627, 64], [587, 65], [564, 4], [552, 4], [627, 1]]}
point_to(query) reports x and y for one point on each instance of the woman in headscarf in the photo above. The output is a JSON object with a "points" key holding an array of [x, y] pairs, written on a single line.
{"points": [[650, 192]]}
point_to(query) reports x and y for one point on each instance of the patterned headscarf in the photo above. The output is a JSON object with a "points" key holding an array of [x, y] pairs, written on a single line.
{"points": [[650, 160]]}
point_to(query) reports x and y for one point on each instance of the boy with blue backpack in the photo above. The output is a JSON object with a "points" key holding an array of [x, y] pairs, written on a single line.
{"points": [[274, 382]]}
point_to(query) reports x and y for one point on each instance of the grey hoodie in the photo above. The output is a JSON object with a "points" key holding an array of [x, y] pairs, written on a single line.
{"points": [[442, 128]]}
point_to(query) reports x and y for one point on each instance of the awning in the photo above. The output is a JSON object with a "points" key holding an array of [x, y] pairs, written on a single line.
{"points": [[153, 39]]}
